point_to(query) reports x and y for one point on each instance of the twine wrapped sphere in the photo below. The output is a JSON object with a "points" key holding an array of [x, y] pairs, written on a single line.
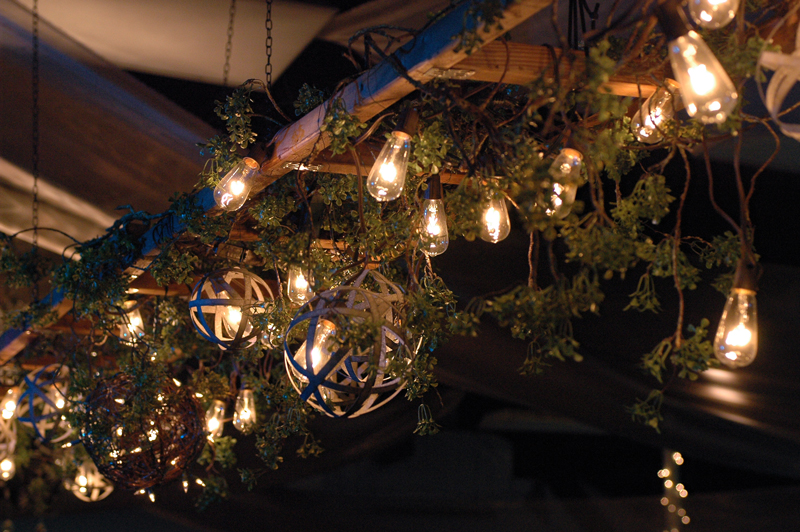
{"points": [[222, 304], [42, 403], [348, 381], [89, 485], [138, 441]]}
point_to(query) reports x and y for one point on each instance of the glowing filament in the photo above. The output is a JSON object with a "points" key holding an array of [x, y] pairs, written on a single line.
{"points": [[703, 81]]}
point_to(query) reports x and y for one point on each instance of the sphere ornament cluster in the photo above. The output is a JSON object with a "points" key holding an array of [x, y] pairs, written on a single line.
{"points": [[223, 304], [42, 403], [336, 376], [141, 438]]}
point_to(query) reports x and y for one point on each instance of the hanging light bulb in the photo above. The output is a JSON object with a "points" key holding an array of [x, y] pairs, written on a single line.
{"points": [[713, 14], [244, 414], [232, 191], [566, 173], [706, 89], [7, 468], [10, 400], [388, 175], [320, 348], [433, 237], [736, 342], [215, 419], [57, 398], [132, 326], [299, 285], [496, 224], [649, 121]]}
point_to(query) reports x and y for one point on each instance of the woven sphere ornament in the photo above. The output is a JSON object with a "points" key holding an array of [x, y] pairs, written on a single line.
{"points": [[222, 306], [138, 440], [346, 381], [42, 403], [89, 484]]}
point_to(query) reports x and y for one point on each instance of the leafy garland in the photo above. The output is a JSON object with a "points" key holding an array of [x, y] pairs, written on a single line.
{"points": [[503, 137]]}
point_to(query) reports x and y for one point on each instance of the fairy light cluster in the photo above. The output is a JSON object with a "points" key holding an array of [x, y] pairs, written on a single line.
{"points": [[674, 492]]}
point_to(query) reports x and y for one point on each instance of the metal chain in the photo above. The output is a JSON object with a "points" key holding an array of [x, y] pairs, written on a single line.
{"points": [[35, 135], [229, 46], [268, 26]]}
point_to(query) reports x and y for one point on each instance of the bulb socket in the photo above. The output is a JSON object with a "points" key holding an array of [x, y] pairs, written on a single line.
{"points": [[408, 121], [672, 19], [434, 190], [746, 277]]}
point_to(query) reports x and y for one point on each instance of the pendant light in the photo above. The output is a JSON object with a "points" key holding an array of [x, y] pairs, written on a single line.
{"points": [[388, 175], [706, 89], [736, 341], [649, 121], [233, 189], [433, 235]]}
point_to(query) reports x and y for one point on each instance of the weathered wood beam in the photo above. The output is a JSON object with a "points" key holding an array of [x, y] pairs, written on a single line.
{"points": [[519, 63]]}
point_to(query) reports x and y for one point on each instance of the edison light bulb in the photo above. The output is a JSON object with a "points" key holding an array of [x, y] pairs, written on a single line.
{"points": [[132, 326], [388, 174], [7, 469], [713, 14], [57, 398], [706, 89], [215, 419], [10, 400], [299, 285], [566, 173], [244, 414], [495, 222], [433, 236], [232, 316], [232, 191], [736, 342], [651, 118], [320, 348]]}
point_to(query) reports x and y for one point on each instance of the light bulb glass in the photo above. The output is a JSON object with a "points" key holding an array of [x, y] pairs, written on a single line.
{"points": [[566, 174], [388, 175], [649, 121], [233, 189], [736, 342], [713, 14], [10, 400], [495, 222], [706, 89], [7, 468], [433, 236], [215, 419], [299, 285], [320, 349], [132, 327], [244, 414]]}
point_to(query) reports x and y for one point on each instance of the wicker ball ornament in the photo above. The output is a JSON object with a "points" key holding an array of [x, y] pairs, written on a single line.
{"points": [[42, 403], [138, 451], [349, 382], [223, 303]]}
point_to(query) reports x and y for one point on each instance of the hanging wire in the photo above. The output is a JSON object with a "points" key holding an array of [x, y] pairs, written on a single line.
{"points": [[268, 26], [35, 138], [578, 9], [229, 46]]}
